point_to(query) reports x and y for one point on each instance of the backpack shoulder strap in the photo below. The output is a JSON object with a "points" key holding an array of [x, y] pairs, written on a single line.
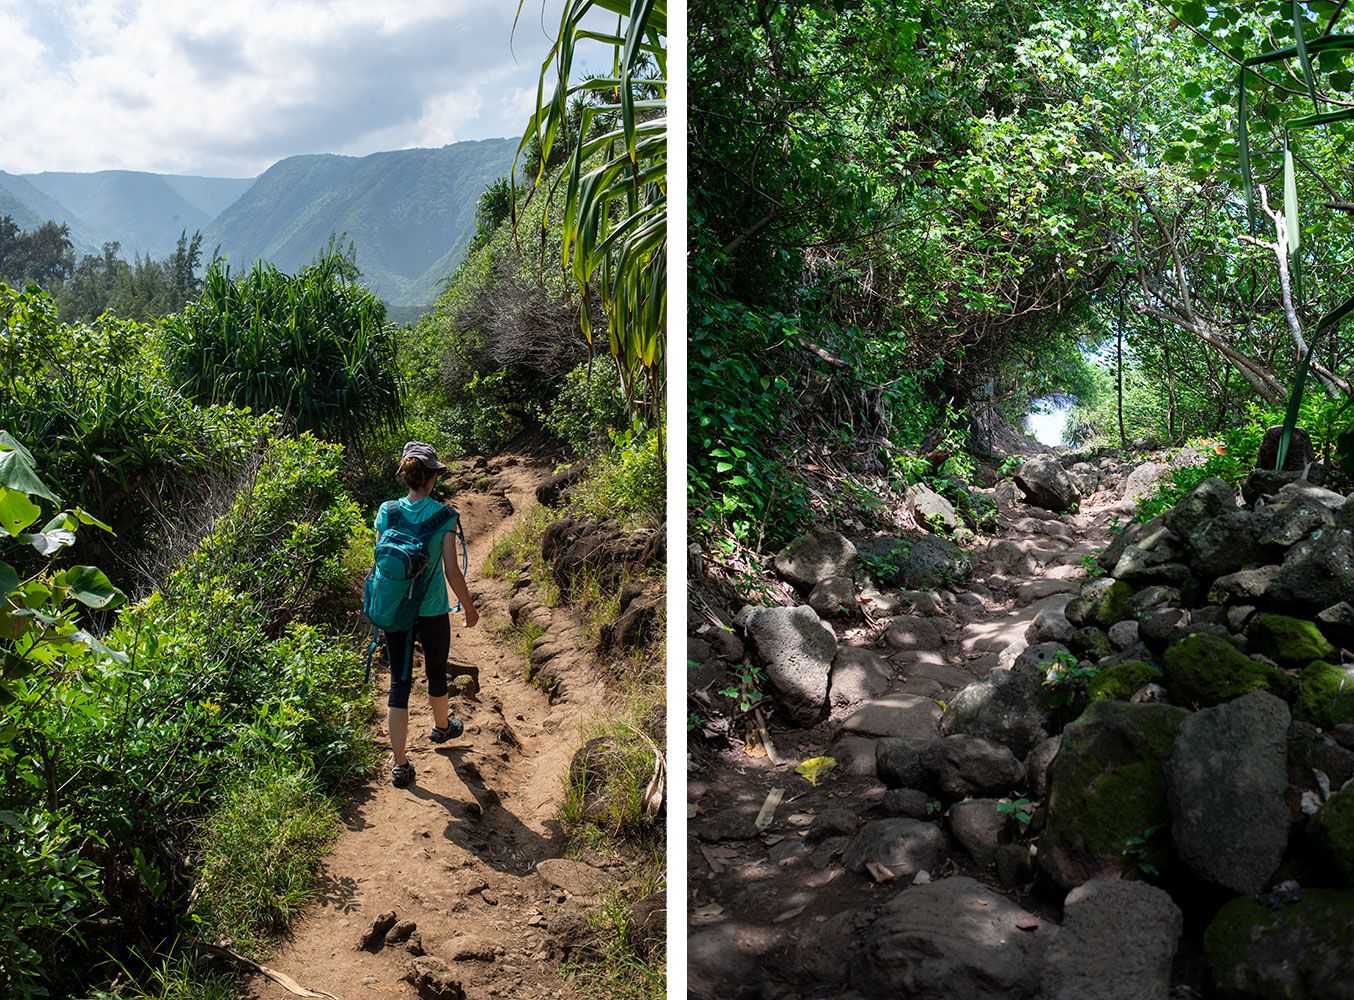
{"points": [[440, 519], [394, 516]]}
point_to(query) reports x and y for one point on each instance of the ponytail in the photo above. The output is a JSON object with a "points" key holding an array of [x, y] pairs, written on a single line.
{"points": [[413, 475]]}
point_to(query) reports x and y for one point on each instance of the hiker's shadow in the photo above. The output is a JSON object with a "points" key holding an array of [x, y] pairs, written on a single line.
{"points": [[354, 807], [485, 828]]}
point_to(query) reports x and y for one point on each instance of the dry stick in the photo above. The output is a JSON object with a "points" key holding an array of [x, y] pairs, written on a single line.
{"points": [[286, 982]]}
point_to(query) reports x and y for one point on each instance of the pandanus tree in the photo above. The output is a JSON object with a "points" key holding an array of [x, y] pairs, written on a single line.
{"points": [[613, 182]]}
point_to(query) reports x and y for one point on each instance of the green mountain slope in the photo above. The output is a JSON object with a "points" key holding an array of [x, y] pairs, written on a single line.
{"points": [[30, 207], [141, 211], [410, 212], [211, 194]]}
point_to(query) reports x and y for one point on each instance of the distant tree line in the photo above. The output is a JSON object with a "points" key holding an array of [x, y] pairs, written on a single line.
{"points": [[140, 289]]}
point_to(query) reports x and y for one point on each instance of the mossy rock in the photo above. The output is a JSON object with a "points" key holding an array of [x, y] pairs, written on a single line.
{"points": [[1123, 680], [1101, 602], [1333, 835], [1300, 951], [1090, 643], [1204, 669], [1326, 695], [1106, 787], [1289, 642]]}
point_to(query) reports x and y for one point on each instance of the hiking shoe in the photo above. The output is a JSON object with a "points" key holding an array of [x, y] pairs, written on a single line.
{"points": [[453, 730], [402, 775]]}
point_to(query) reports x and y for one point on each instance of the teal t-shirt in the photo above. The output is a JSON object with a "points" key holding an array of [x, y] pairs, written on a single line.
{"points": [[435, 601]]}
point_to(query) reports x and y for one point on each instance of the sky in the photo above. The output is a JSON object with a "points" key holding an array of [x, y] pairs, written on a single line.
{"points": [[229, 87]]}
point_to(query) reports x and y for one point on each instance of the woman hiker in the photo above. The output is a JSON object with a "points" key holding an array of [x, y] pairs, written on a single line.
{"points": [[418, 472]]}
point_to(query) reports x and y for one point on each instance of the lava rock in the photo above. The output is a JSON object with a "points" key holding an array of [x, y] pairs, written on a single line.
{"points": [[1207, 500], [903, 846], [1333, 835], [1011, 707], [1317, 572], [1289, 642], [1204, 669], [907, 803], [1326, 694], [1122, 681], [834, 596], [797, 649], [979, 828], [929, 509], [1037, 764], [1046, 484], [1101, 602], [1225, 544], [961, 766], [1300, 951], [898, 761], [1225, 780], [1116, 942], [1142, 481], [858, 674], [432, 979], [952, 938], [814, 556]]}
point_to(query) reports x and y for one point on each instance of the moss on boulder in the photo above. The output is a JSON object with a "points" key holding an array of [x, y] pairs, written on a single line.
{"points": [[1123, 680], [1301, 951], [1333, 834], [1107, 786], [1289, 642], [1326, 695], [1204, 669], [1101, 602]]}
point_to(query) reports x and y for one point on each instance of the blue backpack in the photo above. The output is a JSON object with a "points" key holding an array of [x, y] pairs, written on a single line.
{"points": [[396, 586]]}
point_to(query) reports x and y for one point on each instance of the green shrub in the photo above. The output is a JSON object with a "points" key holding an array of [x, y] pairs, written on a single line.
{"points": [[260, 852], [629, 482], [1232, 464], [314, 347], [588, 408]]}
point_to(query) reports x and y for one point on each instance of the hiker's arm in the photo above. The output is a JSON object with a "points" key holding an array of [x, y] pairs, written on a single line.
{"points": [[451, 565]]}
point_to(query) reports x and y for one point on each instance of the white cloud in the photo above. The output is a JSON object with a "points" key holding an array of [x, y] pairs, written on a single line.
{"points": [[230, 86]]}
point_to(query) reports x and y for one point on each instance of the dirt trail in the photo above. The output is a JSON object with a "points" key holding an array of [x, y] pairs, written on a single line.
{"points": [[763, 903], [457, 851]]}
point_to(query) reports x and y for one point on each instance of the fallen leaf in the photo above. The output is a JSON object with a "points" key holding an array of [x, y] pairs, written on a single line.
{"points": [[788, 915], [879, 873], [816, 768], [767, 814]]}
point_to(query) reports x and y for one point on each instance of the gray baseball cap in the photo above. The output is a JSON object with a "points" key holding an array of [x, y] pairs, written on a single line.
{"points": [[424, 453]]}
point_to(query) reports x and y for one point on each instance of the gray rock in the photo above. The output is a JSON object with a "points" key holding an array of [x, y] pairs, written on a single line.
{"points": [[1143, 480], [1156, 557], [855, 754], [952, 939], [1317, 572], [1123, 635], [903, 846], [1309, 751], [796, 649], [1300, 454], [910, 803], [1225, 544], [724, 962], [1208, 499], [1010, 707], [913, 632], [1307, 490], [1015, 865], [920, 562], [834, 596], [1337, 624], [1037, 764], [1225, 781], [1046, 484], [1284, 525], [898, 761], [1162, 627], [1050, 624], [1299, 951], [979, 828], [929, 509], [1243, 585], [961, 766], [1116, 942], [858, 674], [1102, 601], [1150, 599], [815, 556], [896, 715], [725, 644], [826, 957]]}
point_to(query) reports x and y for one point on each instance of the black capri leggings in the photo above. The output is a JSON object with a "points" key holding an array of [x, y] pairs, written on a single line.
{"points": [[434, 635]]}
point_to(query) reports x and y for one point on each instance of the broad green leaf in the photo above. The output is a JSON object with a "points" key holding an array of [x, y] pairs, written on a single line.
{"points": [[49, 542], [16, 510], [1290, 203], [91, 587], [115, 655], [9, 578], [18, 470]]}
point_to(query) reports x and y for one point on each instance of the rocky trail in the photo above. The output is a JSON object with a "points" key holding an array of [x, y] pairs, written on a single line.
{"points": [[467, 860], [987, 834]]}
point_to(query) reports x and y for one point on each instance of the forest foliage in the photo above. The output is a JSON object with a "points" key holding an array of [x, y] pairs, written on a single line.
{"points": [[920, 217]]}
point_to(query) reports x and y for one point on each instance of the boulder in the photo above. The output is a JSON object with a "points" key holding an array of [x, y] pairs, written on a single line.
{"points": [[553, 490], [724, 962], [1333, 835], [1156, 556], [1317, 572], [1142, 481], [1011, 707], [1326, 694], [979, 828], [1090, 643], [1225, 544], [952, 938], [1116, 942], [1122, 681], [814, 556], [929, 509], [1015, 865], [1046, 484], [903, 846], [1036, 766], [1289, 642], [961, 766], [1204, 669], [1300, 454], [921, 562], [1225, 781], [1300, 950], [1337, 623], [898, 761], [897, 714], [1101, 602], [1106, 786], [911, 803], [834, 597], [1208, 499], [858, 674], [1050, 624], [1123, 635], [1244, 585], [796, 649], [913, 632], [1284, 525], [1149, 599]]}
